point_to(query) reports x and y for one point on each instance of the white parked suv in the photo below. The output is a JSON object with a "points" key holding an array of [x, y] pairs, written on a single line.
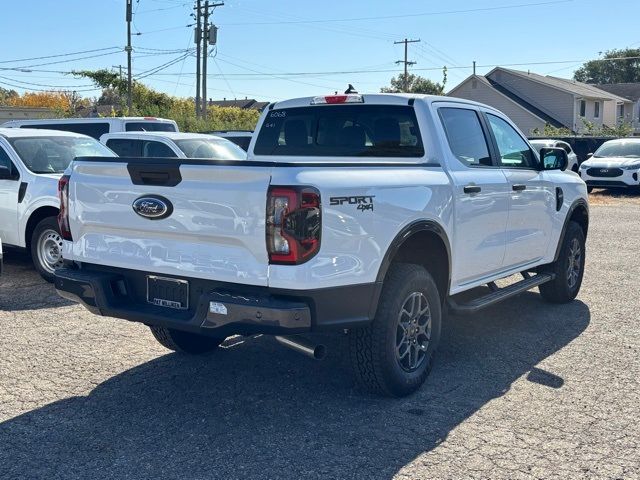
{"points": [[172, 145], [31, 163], [364, 213], [96, 127], [547, 143], [615, 164]]}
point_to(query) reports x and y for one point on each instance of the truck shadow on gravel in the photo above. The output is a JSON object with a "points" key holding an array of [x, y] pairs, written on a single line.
{"points": [[22, 287], [256, 410]]}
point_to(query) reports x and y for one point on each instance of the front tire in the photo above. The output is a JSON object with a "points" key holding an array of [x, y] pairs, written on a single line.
{"points": [[393, 355], [185, 342], [568, 269], [46, 248]]}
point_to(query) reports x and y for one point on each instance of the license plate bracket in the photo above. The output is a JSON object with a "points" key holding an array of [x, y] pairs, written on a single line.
{"points": [[168, 292]]}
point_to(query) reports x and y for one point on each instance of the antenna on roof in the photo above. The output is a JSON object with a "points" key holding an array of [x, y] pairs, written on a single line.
{"points": [[350, 89]]}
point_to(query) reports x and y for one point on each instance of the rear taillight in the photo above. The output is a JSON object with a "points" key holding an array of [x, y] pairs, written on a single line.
{"points": [[293, 224], [63, 216]]}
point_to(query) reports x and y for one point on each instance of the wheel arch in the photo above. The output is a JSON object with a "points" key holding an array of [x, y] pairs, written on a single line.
{"points": [[579, 213], [38, 215], [425, 243]]}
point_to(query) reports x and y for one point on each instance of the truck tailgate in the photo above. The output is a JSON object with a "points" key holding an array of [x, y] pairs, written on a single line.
{"points": [[213, 226]]}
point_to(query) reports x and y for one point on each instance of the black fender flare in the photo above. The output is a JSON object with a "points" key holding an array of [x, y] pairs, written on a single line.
{"points": [[406, 233], [580, 202]]}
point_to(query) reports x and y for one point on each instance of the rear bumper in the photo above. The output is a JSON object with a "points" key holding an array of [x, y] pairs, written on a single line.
{"points": [[250, 310]]}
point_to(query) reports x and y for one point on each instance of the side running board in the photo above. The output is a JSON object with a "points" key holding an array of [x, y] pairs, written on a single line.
{"points": [[497, 295]]}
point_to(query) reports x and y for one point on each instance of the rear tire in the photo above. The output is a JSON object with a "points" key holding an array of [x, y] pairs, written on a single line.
{"points": [[46, 248], [568, 269], [185, 342], [393, 355]]}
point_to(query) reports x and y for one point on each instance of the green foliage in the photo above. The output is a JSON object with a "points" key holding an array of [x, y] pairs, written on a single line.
{"points": [[589, 129], [151, 103], [416, 84], [611, 71], [551, 131]]}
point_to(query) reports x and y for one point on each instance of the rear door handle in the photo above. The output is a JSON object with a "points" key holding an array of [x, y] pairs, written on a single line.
{"points": [[518, 187], [472, 189]]}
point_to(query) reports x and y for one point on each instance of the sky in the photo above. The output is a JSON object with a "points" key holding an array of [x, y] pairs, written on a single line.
{"points": [[272, 50]]}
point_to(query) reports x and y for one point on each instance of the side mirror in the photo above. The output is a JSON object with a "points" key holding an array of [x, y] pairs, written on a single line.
{"points": [[5, 173], [590, 154], [553, 159]]}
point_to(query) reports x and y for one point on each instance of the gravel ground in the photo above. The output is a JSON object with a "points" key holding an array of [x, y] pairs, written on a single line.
{"points": [[524, 390]]}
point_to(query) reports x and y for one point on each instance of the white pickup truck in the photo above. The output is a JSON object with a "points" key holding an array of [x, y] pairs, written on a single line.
{"points": [[31, 163], [364, 214]]}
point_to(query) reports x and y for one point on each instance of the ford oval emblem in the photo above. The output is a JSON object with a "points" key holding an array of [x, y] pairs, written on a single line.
{"points": [[153, 207]]}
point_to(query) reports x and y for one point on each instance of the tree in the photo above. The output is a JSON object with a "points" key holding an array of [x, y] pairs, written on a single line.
{"points": [[624, 70], [416, 84], [6, 95]]}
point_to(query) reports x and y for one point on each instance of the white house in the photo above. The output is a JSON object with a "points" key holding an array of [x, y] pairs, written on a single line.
{"points": [[533, 100]]}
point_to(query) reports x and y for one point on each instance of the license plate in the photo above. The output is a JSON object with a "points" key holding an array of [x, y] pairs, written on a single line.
{"points": [[168, 292]]}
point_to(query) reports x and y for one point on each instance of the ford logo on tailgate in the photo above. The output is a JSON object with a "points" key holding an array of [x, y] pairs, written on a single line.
{"points": [[153, 207]]}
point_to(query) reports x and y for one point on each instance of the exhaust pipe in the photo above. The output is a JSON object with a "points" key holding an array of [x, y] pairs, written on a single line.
{"points": [[304, 346]]}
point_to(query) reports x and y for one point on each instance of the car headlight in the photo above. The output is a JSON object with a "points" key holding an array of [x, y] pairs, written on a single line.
{"points": [[584, 166], [632, 166]]}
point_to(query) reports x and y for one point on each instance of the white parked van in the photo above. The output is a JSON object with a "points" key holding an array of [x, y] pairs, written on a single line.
{"points": [[96, 127], [172, 145]]}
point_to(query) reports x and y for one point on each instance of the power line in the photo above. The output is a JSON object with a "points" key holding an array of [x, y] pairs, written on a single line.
{"points": [[384, 17], [462, 67], [2, 82], [27, 67], [68, 54]]}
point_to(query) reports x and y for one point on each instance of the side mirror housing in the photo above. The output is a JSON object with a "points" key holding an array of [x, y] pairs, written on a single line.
{"points": [[590, 154], [5, 173], [553, 159]]}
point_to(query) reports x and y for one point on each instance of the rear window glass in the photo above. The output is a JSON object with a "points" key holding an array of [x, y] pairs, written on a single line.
{"points": [[92, 129], [150, 127], [341, 131], [214, 148]]}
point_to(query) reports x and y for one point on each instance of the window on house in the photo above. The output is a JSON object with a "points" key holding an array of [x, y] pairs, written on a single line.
{"points": [[596, 110], [621, 110], [583, 108]]}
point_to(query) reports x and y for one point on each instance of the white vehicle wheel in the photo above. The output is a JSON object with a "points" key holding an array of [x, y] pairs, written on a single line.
{"points": [[46, 248]]}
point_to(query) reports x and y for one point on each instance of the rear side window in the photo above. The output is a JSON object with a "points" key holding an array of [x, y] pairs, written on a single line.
{"points": [[125, 147], [341, 131], [149, 127], [465, 136], [92, 129]]}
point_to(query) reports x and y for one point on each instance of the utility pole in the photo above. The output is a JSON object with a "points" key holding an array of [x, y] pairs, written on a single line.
{"points": [[128, 49], [119, 67], [207, 29], [406, 62], [198, 39]]}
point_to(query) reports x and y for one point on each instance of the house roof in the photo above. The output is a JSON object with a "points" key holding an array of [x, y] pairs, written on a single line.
{"points": [[523, 103], [510, 96], [570, 86], [630, 91]]}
